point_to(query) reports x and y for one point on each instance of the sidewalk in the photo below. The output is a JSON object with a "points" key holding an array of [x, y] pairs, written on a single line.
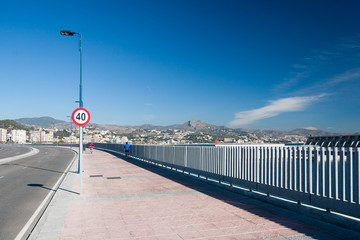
{"points": [[123, 200]]}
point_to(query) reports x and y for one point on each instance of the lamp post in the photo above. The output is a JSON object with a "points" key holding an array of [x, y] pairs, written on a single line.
{"points": [[71, 33]]}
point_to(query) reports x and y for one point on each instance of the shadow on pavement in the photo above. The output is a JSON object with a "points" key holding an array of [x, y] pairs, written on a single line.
{"points": [[28, 166], [312, 228], [40, 186], [50, 189], [66, 190]]}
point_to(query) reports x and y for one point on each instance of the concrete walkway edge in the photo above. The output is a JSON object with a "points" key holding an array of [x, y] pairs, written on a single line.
{"points": [[317, 213], [43, 209], [129, 198]]}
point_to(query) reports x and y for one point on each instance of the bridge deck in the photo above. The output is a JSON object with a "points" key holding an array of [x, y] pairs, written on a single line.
{"points": [[123, 200]]}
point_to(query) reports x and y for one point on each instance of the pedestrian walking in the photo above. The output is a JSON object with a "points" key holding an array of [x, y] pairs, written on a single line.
{"points": [[127, 148]]}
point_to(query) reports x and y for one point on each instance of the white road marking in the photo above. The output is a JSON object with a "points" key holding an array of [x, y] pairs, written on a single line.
{"points": [[1, 177], [33, 151], [36, 213], [24, 167]]}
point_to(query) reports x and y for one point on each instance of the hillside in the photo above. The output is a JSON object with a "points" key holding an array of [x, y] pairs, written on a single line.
{"points": [[192, 126], [43, 122], [11, 124]]}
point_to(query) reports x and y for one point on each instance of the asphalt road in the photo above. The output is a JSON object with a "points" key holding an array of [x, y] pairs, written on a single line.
{"points": [[13, 150], [25, 183]]}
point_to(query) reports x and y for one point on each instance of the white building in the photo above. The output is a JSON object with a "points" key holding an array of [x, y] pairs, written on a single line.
{"points": [[3, 133], [116, 140], [124, 140], [18, 136], [42, 136], [34, 136], [49, 137], [104, 132]]}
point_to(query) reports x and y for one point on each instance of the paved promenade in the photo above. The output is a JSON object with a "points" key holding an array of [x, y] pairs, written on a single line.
{"points": [[124, 200]]}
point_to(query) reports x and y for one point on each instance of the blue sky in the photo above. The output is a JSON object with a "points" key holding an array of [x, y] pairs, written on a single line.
{"points": [[245, 64]]}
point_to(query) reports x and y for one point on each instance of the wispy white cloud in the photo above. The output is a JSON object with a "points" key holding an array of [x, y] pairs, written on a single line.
{"points": [[296, 77], [148, 104], [331, 84], [350, 75], [310, 128], [305, 74], [274, 108]]}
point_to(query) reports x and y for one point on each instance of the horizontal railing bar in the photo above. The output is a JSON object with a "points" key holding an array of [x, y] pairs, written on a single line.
{"points": [[326, 177]]}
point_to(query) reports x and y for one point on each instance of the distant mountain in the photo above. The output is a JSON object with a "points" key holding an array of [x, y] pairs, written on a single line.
{"points": [[300, 132], [11, 124], [192, 125], [307, 132], [43, 122], [115, 128]]}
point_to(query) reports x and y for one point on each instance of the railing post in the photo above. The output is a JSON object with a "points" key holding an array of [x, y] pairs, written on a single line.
{"points": [[336, 171], [329, 183], [357, 188], [350, 177], [331, 173]]}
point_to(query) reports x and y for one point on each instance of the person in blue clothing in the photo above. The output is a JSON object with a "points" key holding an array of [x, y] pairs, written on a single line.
{"points": [[127, 148]]}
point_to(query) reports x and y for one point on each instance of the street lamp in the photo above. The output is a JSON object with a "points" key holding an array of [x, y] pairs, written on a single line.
{"points": [[67, 33], [71, 33]]}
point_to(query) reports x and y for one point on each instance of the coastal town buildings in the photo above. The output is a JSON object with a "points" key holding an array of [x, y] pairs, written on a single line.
{"points": [[142, 136], [18, 136], [3, 133]]}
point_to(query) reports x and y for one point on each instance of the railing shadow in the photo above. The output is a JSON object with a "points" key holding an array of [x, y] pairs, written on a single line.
{"points": [[50, 189], [262, 209], [66, 190]]}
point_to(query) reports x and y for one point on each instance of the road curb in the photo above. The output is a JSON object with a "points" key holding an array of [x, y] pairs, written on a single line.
{"points": [[35, 218], [32, 152]]}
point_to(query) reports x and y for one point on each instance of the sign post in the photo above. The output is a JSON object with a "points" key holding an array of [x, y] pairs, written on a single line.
{"points": [[80, 117]]}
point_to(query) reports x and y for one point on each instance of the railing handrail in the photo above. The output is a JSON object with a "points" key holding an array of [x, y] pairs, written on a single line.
{"points": [[326, 177]]}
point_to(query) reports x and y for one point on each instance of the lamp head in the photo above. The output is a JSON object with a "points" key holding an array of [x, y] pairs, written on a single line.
{"points": [[67, 33]]}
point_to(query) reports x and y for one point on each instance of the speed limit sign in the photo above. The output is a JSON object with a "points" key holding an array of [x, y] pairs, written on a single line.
{"points": [[81, 116]]}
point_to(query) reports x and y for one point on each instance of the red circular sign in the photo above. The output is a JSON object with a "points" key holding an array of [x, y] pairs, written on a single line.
{"points": [[80, 116]]}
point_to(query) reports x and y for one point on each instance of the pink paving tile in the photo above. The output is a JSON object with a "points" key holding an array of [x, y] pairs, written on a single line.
{"points": [[169, 237], [142, 233], [119, 234], [146, 238], [190, 235], [224, 224], [184, 228], [72, 233], [160, 229], [266, 234], [177, 216], [96, 236], [213, 233], [177, 223], [225, 238], [135, 227], [205, 226]]}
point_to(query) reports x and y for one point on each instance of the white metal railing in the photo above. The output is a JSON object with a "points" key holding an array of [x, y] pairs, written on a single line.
{"points": [[324, 177]]}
